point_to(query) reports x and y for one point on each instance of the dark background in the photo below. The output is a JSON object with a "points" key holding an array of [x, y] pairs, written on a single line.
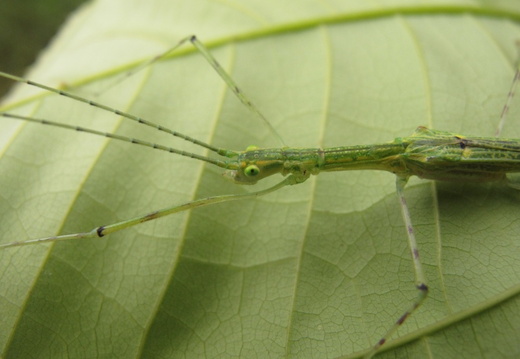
{"points": [[26, 27]]}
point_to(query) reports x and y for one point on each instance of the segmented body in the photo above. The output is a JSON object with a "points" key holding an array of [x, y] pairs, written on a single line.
{"points": [[427, 153]]}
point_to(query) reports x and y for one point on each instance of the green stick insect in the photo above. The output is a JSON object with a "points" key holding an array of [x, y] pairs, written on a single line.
{"points": [[427, 153]]}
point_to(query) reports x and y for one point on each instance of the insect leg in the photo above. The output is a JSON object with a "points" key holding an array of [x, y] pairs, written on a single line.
{"points": [[420, 280]]}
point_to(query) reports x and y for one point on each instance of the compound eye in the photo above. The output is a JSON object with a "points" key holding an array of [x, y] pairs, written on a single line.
{"points": [[252, 171]]}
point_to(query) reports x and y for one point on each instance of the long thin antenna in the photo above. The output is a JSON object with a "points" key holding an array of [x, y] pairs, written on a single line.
{"points": [[220, 151], [219, 163]]}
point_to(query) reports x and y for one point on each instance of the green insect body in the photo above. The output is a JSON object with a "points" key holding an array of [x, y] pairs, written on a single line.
{"points": [[428, 153]]}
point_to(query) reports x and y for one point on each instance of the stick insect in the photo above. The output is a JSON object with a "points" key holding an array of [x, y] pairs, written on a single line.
{"points": [[427, 153]]}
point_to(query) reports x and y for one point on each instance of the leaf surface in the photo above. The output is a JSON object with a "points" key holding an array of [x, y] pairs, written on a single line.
{"points": [[318, 270]]}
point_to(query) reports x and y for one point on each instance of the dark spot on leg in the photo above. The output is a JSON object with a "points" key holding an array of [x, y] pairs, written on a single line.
{"points": [[100, 231], [403, 318], [149, 217], [423, 287]]}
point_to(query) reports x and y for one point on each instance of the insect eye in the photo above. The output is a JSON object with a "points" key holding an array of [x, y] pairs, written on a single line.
{"points": [[252, 171]]}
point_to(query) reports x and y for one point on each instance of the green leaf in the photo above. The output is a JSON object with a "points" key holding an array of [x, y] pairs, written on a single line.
{"points": [[318, 270]]}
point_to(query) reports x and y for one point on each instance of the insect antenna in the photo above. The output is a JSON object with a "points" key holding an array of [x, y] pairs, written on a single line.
{"points": [[140, 120]]}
